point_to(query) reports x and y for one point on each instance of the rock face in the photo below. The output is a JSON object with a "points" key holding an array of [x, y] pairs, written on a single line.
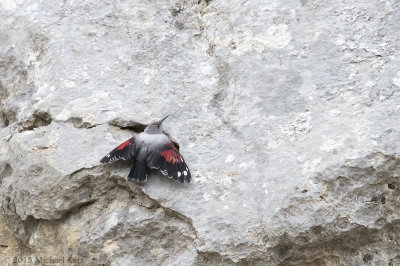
{"points": [[287, 113]]}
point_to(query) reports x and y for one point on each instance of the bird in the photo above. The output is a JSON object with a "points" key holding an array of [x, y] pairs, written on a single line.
{"points": [[150, 149]]}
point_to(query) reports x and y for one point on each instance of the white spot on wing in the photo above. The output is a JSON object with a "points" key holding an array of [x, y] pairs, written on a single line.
{"points": [[179, 174], [164, 172], [184, 173]]}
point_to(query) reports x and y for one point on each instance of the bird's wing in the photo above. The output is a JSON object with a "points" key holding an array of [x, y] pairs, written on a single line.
{"points": [[169, 161], [124, 151]]}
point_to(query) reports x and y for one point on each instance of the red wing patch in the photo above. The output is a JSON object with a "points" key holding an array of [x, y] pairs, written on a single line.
{"points": [[170, 163], [123, 145], [171, 156]]}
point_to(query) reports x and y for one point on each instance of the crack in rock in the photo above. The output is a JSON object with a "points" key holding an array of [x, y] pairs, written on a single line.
{"points": [[38, 119]]}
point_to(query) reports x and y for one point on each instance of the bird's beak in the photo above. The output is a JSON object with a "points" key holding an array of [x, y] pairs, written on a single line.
{"points": [[162, 120]]}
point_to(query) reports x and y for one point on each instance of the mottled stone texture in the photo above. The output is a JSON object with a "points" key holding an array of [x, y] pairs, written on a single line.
{"points": [[287, 112]]}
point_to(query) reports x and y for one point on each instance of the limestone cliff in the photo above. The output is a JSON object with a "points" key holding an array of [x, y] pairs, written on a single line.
{"points": [[287, 112]]}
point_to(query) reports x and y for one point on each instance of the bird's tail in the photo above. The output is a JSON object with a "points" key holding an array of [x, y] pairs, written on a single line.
{"points": [[138, 173]]}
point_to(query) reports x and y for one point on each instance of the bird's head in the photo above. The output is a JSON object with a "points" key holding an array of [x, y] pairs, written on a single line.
{"points": [[155, 127]]}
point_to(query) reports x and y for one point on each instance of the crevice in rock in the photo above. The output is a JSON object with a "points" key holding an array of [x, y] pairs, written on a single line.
{"points": [[255, 257], [137, 192], [136, 127], [213, 258], [81, 170], [30, 225], [77, 122], [75, 209], [38, 119], [7, 116], [208, 2], [5, 171]]}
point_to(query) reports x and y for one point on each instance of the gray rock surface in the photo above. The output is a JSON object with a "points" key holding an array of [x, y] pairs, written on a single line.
{"points": [[287, 113]]}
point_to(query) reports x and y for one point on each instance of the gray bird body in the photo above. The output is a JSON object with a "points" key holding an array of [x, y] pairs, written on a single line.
{"points": [[152, 149], [145, 143], [151, 141]]}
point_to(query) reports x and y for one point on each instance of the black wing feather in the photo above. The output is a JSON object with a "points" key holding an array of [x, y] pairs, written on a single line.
{"points": [[170, 162], [124, 151]]}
